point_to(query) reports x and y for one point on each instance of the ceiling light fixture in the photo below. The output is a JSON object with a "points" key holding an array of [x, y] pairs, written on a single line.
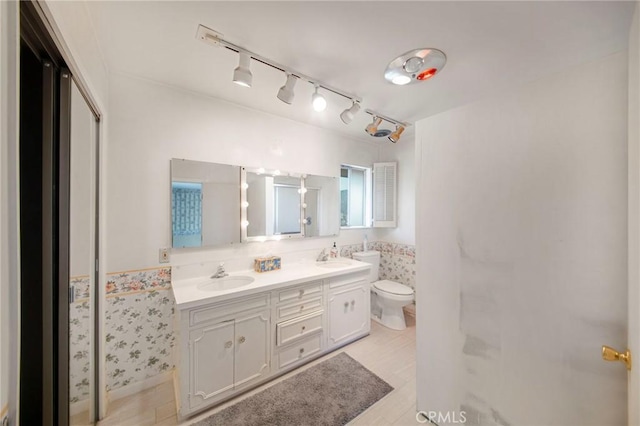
{"points": [[242, 75], [285, 94], [415, 66], [318, 101], [372, 127], [395, 136], [347, 115]]}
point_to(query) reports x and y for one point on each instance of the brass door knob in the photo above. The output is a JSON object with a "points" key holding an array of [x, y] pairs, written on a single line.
{"points": [[610, 354]]}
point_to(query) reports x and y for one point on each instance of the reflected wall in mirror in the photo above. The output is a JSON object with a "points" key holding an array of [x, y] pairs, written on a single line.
{"points": [[321, 206], [271, 205], [205, 204]]}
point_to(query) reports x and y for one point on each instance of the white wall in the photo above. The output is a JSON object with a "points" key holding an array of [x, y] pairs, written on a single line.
{"points": [[522, 250], [9, 251], [634, 211], [404, 153], [151, 123]]}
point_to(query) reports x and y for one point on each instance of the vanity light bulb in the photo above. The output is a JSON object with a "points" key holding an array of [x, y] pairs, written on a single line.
{"points": [[244, 186], [304, 205], [276, 172], [245, 204], [245, 223]]}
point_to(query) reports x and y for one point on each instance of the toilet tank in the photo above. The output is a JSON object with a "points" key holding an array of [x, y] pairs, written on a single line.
{"points": [[371, 257]]}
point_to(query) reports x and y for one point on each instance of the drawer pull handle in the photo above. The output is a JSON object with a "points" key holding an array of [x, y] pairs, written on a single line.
{"points": [[301, 292], [301, 350], [346, 304], [353, 302], [242, 339], [228, 344], [301, 307]]}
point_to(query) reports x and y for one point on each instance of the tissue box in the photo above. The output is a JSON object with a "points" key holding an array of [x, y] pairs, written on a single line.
{"points": [[266, 264]]}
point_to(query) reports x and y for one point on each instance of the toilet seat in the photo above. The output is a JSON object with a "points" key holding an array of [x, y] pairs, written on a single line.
{"points": [[393, 287]]}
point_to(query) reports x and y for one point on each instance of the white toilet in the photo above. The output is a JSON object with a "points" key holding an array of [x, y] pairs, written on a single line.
{"points": [[387, 297]]}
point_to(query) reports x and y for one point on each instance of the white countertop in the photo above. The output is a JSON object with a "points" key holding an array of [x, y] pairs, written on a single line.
{"points": [[188, 295]]}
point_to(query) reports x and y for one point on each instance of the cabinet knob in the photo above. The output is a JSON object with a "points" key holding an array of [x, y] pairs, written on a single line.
{"points": [[353, 302], [242, 339], [228, 344], [301, 350], [304, 327], [346, 304], [301, 307], [301, 292]]}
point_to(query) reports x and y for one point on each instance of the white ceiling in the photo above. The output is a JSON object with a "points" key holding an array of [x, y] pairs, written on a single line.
{"points": [[490, 46]]}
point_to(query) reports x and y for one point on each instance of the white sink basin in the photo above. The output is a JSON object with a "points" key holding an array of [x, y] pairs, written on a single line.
{"points": [[226, 283], [333, 264]]}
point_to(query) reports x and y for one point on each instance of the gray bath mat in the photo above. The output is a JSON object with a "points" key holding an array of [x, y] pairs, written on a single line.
{"points": [[331, 393]]}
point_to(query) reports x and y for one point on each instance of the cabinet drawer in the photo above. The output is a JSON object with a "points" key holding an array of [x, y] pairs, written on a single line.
{"points": [[349, 279], [300, 292], [202, 315], [299, 351], [303, 307], [291, 330]]}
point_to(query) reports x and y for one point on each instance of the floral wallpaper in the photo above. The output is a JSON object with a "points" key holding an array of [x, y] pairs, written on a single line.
{"points": [[80, 327], [139, 326], [397, 261]]}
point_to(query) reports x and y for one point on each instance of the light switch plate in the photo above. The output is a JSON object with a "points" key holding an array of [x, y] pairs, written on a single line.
{"points": [[163, 255]]}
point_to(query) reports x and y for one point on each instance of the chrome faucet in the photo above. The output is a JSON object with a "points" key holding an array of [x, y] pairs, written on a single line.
{"points": [[323, 256], [220, 273]]}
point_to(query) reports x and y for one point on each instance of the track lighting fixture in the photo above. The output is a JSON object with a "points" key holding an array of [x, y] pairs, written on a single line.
{"points": [[372, 127], [416, 65], [285, 94], [318, 101], [347, 115], [395, 136], [242, 75]]}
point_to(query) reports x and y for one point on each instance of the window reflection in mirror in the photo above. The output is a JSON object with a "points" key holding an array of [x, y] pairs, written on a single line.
{"points": [[271, 205], [205, 201]]}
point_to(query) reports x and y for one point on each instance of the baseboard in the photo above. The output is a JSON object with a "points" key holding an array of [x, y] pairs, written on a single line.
{"points": [[410, 310], [78, 407], [136, 387]]}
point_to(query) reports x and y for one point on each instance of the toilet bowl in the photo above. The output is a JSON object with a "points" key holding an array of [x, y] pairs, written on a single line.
{"points": [[387, 297]]}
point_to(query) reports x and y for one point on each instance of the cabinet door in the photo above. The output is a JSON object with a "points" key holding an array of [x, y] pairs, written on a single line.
{"points": [[348, 314], [252, 347], [211, 368]]}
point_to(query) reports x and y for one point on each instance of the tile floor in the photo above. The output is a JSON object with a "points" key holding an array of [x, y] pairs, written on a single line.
{"points": [[389, 354]]}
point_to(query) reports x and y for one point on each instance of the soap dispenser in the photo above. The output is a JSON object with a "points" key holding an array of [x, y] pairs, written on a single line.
{"points": [[334, 251]]}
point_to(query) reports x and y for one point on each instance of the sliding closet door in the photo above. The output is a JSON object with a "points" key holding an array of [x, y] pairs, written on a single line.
{"points": [[82, 243]]}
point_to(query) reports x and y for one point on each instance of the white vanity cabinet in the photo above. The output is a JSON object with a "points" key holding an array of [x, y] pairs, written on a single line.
{"points": [[228, 348], [232, 343], [300, 323], [349, 306]]}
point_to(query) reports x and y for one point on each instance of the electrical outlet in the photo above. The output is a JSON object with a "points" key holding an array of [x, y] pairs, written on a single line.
{"points": [[164, 255]]}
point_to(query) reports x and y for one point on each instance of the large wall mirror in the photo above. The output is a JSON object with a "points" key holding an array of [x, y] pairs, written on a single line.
{"points": [[205, 204], [321, 206], [218, 204], [271, 205]]}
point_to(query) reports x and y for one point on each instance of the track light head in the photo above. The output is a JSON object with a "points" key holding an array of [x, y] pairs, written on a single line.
{"points": [[395, 136], [372, 127], [285, 94], [318, 101], [347, 115], [242, 75]]}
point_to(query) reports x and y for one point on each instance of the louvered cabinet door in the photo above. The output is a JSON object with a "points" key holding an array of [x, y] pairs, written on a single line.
{"points": [[385, 188]]}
